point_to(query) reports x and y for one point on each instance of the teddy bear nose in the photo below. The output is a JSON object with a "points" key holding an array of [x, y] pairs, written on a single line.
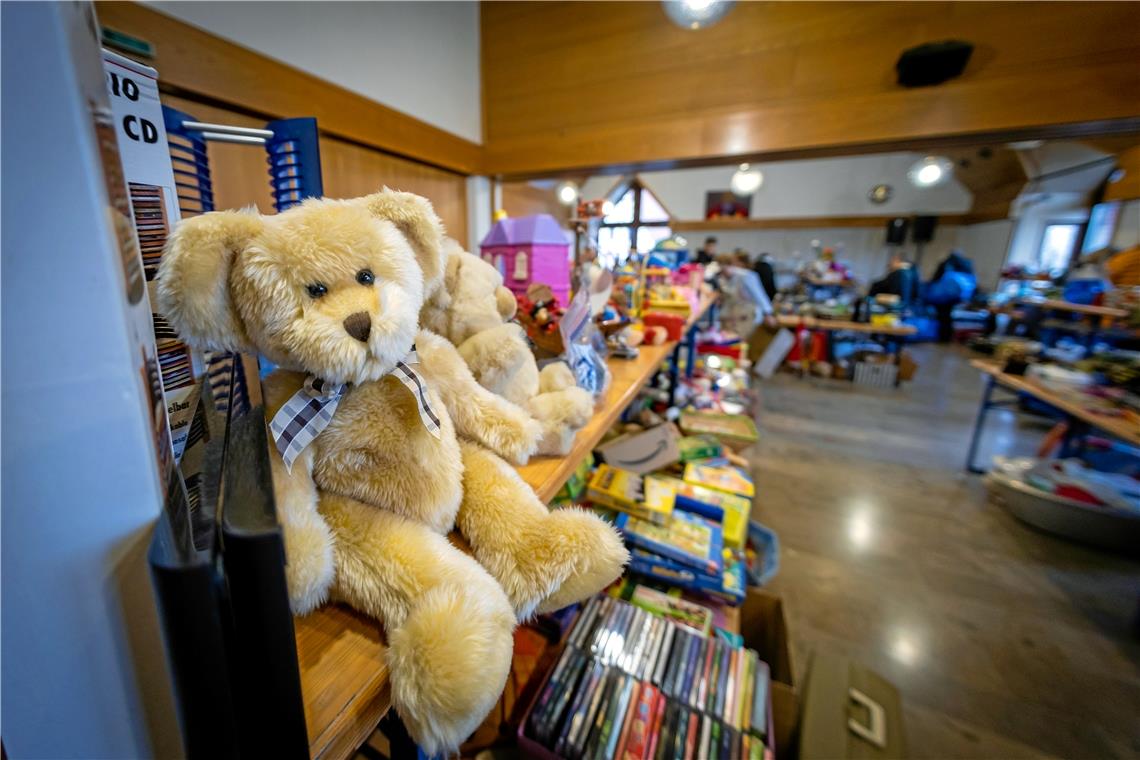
{"points": [[358, 325]]}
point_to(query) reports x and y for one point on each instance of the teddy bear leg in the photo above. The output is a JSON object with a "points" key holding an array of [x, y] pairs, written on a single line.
{"points": [[543, 559], [449, 625]]}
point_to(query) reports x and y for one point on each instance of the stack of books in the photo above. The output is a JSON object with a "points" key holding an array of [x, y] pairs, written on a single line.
{"points": [[633, 685]]}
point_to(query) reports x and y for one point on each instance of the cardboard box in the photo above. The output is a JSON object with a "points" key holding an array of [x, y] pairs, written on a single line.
{"points": [[849, 711], [645, 452], [765, 629]]}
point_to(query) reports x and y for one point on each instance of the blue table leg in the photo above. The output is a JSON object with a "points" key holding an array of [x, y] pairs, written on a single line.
{"points": [[979, 425]]}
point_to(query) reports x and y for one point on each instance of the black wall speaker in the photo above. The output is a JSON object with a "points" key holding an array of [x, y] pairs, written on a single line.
{"points": [[896, 230], [923, 230], [933, 63]]}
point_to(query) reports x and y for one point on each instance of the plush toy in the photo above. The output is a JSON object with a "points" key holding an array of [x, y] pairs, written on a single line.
{"points": [[472, 310], [370, 473]]}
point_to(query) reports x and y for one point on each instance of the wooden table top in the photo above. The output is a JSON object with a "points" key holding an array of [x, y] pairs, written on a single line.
{"points": [[1078, 308], [814, 323], [341, 652], [1070, 403]]}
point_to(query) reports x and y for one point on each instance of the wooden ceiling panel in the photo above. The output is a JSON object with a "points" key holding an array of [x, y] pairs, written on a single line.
{"points": [[589, 84]]}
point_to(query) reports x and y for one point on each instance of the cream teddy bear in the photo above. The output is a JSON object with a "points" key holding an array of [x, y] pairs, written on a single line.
{"points": [[472, 309], [370, 472]]}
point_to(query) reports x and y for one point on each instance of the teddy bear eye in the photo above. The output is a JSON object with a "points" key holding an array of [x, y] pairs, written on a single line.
{"points": [[365, 277], [316, 290]]}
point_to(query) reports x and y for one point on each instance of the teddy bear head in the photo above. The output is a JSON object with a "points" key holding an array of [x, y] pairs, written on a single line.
{"points": [[332, 288], [472, 297]]}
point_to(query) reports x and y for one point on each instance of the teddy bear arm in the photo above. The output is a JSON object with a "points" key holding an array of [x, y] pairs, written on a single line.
{"points": [[501, 362], [308, 542], [540, 557], [493, 421], [449, 625]]}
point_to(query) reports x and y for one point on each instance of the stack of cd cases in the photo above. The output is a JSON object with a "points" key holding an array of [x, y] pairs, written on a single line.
{"points": [[629, 684]]}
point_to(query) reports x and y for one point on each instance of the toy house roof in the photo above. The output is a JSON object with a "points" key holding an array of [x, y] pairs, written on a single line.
{"points": [[540, 229]]}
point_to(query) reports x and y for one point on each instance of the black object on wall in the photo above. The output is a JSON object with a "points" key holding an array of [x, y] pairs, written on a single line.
{"points": [[933, 63], [923, 230], [896, 230]]}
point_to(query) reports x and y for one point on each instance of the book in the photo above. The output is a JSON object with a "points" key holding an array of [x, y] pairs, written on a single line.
{"points": [[692, 734], [646, 498], [663, 660], [706, 737], [635, 739], [728, 480], [673, 607], [730, 584], [759, 722], [687, 539], [656, 727]]}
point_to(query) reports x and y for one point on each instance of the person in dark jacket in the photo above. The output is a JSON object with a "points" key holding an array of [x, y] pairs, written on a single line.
{"points": [[763, 268], [707, 254], [901, 281]]}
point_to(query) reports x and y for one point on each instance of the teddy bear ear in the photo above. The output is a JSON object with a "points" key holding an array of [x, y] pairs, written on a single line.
{"points": [[193, 278], [414, 216]]}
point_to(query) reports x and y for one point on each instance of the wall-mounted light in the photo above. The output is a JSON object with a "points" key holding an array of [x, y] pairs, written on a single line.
{"points": [[930, 171], [696, 14], [746, 180], [567, 193], [880, 193]]}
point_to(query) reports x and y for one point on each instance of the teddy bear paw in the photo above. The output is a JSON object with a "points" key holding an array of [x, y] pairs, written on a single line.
{"points": [[449, 662], [309, 566]]}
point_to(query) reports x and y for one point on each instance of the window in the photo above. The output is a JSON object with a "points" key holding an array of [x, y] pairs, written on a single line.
{"points": [[1057, 245], [637, 219]]}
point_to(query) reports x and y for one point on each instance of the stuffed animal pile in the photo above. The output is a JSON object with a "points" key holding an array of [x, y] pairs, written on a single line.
{"points": [[472, 310], [383, 442]]}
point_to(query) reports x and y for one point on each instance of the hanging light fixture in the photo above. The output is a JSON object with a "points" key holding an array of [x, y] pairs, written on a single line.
{"points": [[746, 180], [696, 14], [930, 171], [567, 193]]}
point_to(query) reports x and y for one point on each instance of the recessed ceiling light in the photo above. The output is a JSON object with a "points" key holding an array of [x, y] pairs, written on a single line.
{"points": [[567, 193], [930, 171], [746, 180], [696, 14]]}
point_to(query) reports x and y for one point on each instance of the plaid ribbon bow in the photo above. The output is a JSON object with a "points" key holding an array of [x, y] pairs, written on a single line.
{"points": [[310, 410]]}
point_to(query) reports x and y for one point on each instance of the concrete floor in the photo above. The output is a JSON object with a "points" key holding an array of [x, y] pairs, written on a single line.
{"points": [[1004, 642]]}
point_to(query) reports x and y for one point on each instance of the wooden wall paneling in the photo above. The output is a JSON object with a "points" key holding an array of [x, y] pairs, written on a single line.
{"points": [[523, 199], [590, 84], [208, 66], [241, 176], [1128, 186]]}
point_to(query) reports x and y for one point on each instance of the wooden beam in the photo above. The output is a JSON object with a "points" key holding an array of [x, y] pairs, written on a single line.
{"points": [[203, 65], [817, 222]]}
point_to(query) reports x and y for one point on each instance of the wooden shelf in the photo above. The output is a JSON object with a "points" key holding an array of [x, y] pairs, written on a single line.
{"points": [[341, 652], [813, 323], [1076, 308]]}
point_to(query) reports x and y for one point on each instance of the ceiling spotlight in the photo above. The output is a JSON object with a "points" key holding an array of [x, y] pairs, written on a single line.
{"points": [[696, 14], [746, 180], [930, 171], [567, 193]]}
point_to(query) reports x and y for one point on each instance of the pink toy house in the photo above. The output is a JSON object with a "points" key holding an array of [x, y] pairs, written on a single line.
{"points": [[530, 249]]}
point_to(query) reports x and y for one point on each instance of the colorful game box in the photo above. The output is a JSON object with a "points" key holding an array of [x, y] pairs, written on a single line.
{"points": [[687, 539], [646, 498], [731, 511], [727, 479], [693, 447], [672, 607], [734, 429]]}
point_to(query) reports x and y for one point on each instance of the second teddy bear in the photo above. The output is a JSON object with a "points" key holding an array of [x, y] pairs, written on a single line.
{"points": [[472, 309]]}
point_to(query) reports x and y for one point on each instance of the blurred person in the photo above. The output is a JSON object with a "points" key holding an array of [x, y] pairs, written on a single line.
{"points": [[743, 303], [763, 268], [953, 282], [900, 280], [707, 253]]}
